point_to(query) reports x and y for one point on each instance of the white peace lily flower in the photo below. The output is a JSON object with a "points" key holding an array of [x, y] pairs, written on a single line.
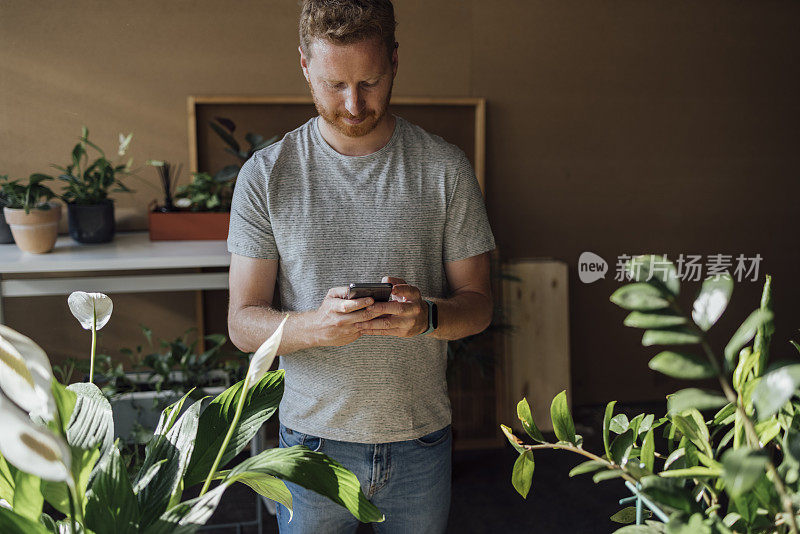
{"points": [[264, 356], [123, 143], [84, 305], [25, 373], [32, 448]]}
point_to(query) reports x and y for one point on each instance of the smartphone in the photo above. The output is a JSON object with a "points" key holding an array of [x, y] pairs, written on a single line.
{"points": [[379, 292]]}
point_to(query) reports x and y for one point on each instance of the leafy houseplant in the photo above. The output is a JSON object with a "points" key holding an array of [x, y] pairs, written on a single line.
{"points": [[731, 459], [87, 185], [201, 209], [29, 212], [57, 447]]}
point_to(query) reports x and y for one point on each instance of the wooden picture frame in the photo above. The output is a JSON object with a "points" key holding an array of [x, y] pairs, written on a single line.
{"points": [[461, 121]]}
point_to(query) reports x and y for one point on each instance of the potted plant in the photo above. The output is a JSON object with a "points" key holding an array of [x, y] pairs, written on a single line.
{"points": [[58, 448], [201, 209], [89, 209], [727, 460], [30, 213]]}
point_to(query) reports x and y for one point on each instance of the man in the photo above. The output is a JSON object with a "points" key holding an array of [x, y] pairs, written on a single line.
{"points": [[360, 195]]}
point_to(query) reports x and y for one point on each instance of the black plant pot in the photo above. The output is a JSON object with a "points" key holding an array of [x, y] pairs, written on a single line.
{"points": [[5, 229], [93, 223]]}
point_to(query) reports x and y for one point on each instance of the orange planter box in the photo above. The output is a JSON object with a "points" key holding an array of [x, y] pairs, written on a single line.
{"points": [[189, 226]]}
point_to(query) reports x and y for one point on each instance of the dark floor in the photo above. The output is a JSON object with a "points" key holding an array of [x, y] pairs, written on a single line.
{"points": [[484, 501]]}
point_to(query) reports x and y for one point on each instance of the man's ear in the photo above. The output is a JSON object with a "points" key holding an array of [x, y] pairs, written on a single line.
{"points": [[394, 60], [303, 62]]}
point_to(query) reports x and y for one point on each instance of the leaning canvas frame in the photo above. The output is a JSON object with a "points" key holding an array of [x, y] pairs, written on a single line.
{"points": [[465, 116]]}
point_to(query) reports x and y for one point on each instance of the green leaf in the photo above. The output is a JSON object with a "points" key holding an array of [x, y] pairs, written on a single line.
{"points": [[767, 431], [187, 517], [6, 481], [28, 498], [268, 486], [607, 427], [626, 515], [173, 449], [563, 425], [639, 297], [775, 389], [764, 332], [638, 319], [619, 424], [691, 472], [621, 447], [669, 493], [14, 523], [92, 422], [590, 466], [65, 403], [607, 475], [526, 418], [261, 402], [744, 334], [694, 398], [743, 468], [111, 506], [316, 472], [712, 300], [647, 456], [522, 474], [673, 336], [681, 365], [514, 440], [655, 270], [225, 136]]}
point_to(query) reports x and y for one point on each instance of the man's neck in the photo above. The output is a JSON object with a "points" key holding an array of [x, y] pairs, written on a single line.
{"points": [[359, 146]]}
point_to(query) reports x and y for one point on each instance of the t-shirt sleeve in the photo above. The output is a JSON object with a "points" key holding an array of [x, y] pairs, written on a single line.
{"points": [[466, 232], [250, 230]]}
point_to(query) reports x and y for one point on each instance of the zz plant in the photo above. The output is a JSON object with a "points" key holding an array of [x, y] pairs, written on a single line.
{"points": [[719, 461], [58, 447]]}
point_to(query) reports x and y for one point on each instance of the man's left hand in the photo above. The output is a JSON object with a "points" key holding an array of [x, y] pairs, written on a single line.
{"points": [[405, 315]]}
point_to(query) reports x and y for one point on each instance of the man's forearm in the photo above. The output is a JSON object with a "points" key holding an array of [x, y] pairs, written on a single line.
{"points": [[250, 326], [462, 315]]}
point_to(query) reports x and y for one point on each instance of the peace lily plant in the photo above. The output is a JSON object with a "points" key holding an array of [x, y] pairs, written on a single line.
{"points": [[58, 448], [727, 461]]}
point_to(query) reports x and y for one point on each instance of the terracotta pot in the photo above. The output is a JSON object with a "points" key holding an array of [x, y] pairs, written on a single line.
{"points": [[188, 225], [34, 232]]}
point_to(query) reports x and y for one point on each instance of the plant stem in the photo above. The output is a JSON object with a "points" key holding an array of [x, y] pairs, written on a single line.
{"points": [[71, 509], [94, 340], [237, 414], [582, 452]]}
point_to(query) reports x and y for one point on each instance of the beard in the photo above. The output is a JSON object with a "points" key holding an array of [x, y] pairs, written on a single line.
{"points": [[371, 117]]}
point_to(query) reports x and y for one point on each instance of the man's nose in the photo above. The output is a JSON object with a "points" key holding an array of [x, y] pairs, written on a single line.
{"points": [[353, 102]]}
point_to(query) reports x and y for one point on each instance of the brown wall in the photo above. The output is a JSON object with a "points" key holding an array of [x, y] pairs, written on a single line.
{"points": [[613, 127]]}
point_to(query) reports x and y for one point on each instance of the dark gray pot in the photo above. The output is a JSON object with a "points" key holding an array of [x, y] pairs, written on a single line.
{"points": [[92, 223], [5, 229]]}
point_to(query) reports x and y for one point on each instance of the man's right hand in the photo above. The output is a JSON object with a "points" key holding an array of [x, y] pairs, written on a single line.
{"points": [[334, 320]]}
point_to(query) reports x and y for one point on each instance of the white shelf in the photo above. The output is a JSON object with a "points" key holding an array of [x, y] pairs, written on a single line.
{"points": [[128, 251]]}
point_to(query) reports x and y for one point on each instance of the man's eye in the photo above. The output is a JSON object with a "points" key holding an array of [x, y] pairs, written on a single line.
{"points": [[365, 84]]}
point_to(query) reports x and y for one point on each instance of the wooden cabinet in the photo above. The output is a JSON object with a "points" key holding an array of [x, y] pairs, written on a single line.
{"points": [[536, 359]]}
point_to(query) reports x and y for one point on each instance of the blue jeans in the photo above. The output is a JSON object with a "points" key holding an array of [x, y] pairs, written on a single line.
{"points": [[409, 482]]}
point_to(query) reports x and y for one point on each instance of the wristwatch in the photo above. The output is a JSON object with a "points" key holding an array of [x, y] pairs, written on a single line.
{"points": [[433, 317]]}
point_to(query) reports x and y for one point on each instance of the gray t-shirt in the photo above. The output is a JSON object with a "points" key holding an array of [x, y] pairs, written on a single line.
{"points": [[331, 220]]}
